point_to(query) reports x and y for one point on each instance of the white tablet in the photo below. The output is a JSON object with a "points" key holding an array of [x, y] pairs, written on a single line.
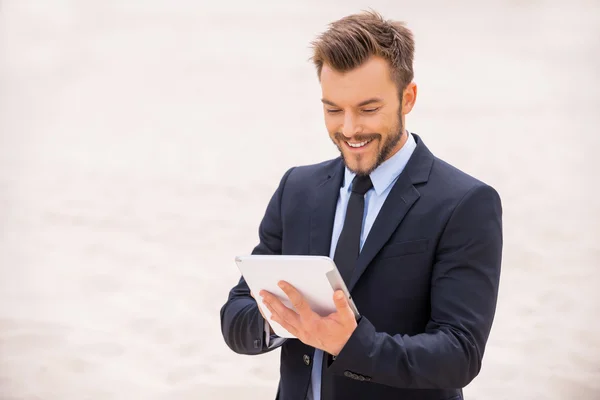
{"points": [[315, 277]]}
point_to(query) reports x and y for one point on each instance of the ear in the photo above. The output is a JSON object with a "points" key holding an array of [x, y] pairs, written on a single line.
{"points": [[409, 97]]}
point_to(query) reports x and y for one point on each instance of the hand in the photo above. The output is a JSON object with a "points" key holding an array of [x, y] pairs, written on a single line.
{"points": [[330, 333], [261, 313]]}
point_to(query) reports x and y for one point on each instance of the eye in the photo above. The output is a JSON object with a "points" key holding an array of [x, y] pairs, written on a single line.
{"points": [[333, 111], [370, 110]]}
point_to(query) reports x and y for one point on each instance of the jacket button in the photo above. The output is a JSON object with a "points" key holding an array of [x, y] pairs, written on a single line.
{"points": [[306, 359]]}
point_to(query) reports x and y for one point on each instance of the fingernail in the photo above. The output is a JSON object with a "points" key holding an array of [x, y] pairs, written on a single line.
{"points": [[339, 296]]}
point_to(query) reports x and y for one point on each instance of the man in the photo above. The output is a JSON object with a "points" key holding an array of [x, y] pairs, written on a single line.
{"points": [[418, 242]]}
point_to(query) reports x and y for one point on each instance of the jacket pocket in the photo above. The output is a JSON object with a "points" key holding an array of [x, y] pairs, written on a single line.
{"points": [[398, 249]]}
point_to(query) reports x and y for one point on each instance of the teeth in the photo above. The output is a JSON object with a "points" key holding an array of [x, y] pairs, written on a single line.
{"points": [[357, 145]]}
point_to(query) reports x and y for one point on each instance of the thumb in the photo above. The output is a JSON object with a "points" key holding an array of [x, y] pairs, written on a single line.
{"points": [[342, 305], [340, 300]]}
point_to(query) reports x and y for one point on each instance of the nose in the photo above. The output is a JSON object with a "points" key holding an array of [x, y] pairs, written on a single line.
{"points": [[350, 127]]}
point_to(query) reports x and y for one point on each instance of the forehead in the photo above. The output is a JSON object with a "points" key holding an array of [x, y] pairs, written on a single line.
{"points": [[371, 79]]}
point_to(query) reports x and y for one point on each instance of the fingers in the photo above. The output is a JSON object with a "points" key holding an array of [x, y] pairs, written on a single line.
{"points": [[278, 309], [288, 319], [284, 323], [296, 299]]}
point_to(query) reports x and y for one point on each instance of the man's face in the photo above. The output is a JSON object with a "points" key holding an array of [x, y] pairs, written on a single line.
{"points": [[363, 114]]}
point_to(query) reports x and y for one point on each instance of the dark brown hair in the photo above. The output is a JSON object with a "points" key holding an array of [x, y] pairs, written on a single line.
{"points": [[352, 40]]}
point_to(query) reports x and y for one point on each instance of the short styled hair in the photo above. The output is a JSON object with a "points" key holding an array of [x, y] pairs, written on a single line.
{"points": [[352, 40]]}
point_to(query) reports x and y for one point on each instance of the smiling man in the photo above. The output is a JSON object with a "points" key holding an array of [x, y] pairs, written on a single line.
{"points": [[418, 242]]}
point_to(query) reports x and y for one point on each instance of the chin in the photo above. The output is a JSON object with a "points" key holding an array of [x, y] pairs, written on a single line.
{"points": [[362, 168], [363, 165]]}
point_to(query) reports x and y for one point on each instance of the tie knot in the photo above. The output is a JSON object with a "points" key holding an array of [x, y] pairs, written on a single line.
{"points": [[361, 184]]}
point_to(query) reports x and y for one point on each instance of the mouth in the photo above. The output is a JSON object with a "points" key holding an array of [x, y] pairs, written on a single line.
{"points": [[356, 146]]}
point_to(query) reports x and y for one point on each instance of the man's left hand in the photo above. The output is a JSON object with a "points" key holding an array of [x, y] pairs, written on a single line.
{"points": [[329, 333]]}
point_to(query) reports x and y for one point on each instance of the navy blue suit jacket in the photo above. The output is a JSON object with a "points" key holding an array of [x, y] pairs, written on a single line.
{"points": [[426, 282]]}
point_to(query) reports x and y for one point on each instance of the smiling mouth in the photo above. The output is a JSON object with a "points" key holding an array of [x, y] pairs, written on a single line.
{"points": [[359, 144]]}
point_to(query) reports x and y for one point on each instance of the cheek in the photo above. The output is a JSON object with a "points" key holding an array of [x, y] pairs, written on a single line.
{"points": [[332, 125], [376, 125], [386, 124]]}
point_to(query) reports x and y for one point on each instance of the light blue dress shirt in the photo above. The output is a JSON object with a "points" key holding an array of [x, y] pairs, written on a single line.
{"points": [[383, 178]]}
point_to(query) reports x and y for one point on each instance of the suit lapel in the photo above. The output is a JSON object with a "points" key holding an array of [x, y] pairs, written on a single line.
{"points": [[324, 203], [401, 198]]}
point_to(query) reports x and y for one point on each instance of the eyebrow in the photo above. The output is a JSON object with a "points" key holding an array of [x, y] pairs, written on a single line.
{"points": [[361, 104]]}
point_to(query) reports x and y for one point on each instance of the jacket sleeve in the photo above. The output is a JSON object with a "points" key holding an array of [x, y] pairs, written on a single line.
{"points": [[242, 324], [464, 290]]}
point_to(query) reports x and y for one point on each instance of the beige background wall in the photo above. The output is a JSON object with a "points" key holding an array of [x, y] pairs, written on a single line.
{"points": [[140, 142]]}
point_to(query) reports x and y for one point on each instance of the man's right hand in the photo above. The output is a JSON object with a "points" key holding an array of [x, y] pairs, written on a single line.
{"points": [[261, 313]]}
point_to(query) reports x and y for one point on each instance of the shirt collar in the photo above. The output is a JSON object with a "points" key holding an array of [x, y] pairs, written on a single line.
{"points": [[385, 174]]}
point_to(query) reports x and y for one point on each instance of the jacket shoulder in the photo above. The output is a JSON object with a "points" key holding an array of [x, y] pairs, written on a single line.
{"points": [[453, 181], [303, 176]]}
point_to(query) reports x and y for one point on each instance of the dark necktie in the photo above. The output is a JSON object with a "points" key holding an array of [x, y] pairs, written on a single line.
{"points": [[346, 254], [348, 246]]}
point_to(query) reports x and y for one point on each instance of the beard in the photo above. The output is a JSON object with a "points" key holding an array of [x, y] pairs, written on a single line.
{"points": [[392, 139]]}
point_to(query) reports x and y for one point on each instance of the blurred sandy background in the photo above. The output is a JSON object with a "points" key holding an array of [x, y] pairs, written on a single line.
{"points": [[141, 141]]}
